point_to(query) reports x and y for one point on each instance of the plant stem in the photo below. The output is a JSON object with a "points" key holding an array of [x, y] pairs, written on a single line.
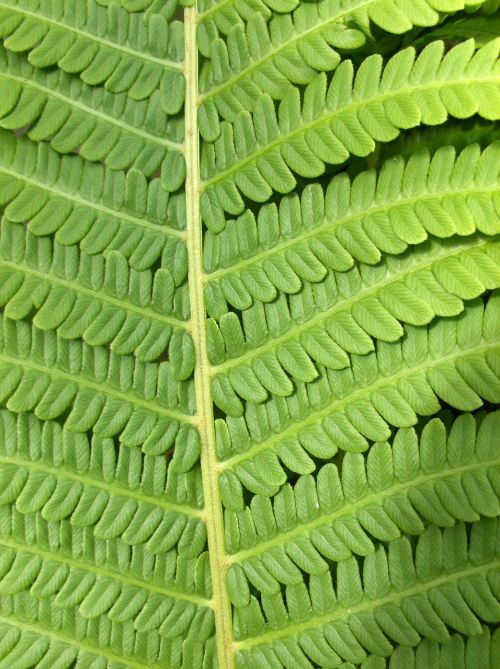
{"points": [[213, 506]]}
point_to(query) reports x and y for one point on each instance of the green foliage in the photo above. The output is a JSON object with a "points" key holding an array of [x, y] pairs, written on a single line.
{"points": [[249, 334]]}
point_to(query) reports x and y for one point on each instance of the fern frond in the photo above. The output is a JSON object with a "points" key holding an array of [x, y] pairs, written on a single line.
{"points": [[101, 589], [104, 46], [453, 360], [456, 650], [269, 57], [321, 238], [143, 403], [143, 542], [398, 595], [261, 152], [99, 642], [397, 489], [30, 445], [100, 125], [102, 300], [295, 28], [374, 213], [112, 210], [25, 644], [364, 305], [249, 334], [165, 8]]}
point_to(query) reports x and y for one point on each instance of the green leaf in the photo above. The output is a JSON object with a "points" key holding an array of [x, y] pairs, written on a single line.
{"points": [[249, 334]]}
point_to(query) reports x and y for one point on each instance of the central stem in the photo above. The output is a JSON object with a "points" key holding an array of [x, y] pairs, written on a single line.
{"points": [[194, 241]]}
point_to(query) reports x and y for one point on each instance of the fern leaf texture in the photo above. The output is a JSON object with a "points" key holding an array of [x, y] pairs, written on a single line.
{"points": [[249, 334]]}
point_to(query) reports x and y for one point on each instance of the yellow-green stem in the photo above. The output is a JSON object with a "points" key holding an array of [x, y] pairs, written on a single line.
{"points": [[213, 506]]}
